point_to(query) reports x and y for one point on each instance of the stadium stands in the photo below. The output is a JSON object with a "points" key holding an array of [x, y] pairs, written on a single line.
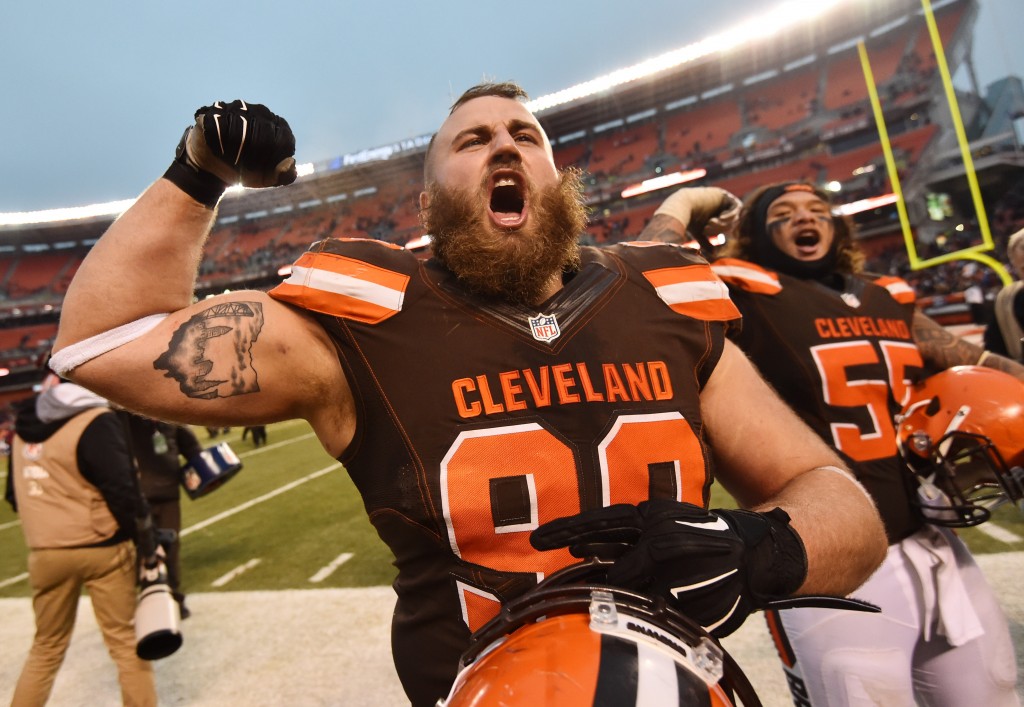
{"points": [[798, 112], [783, 102], [948, 22], [32, 275], [704, 130], [572, 155], [623, 152], [844, 82], [27, 338]]}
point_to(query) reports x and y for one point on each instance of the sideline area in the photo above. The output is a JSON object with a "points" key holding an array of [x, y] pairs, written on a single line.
{"points": [[331, 647]]}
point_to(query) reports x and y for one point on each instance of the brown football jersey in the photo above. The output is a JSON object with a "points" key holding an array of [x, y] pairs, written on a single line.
{"points": [[843, 359], [479, 420]]}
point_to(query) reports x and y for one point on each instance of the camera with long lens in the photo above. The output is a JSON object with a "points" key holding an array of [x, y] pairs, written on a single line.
{"points": [[157, 617]]}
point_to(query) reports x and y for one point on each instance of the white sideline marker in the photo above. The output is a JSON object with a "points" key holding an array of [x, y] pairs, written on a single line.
{"points": [[328, 569], [233, 574], [1000, 533], [14, 580]]}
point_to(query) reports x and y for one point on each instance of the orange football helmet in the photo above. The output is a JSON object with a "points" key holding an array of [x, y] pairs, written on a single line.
{"points": [[579, 644], [961, 433]]}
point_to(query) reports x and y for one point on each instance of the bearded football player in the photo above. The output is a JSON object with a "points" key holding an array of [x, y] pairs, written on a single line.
{"points": [[511, 381]]}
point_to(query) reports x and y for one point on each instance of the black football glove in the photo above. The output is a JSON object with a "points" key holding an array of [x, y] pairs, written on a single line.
{"points": [[233, 143], [715, 566]]}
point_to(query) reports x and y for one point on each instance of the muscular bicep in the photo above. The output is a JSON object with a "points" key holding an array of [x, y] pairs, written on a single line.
{"points": [[240, 358], [759, 443]]}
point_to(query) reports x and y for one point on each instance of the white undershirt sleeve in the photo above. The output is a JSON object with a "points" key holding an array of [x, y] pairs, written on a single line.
{"points": [[73, 356]]}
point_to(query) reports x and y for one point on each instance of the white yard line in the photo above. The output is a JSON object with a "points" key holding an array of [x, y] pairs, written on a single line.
{"points": [[275, 445], [220, 516], [14, 580], [999, 533], [233, 574], [328, 569], [259, 499], [11, 524]]}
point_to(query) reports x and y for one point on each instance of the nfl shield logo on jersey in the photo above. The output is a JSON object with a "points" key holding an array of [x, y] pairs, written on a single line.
{"points": [[851, 299], [544, 327]]}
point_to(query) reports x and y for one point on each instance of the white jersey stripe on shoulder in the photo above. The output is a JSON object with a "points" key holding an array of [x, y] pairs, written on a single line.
{"points": [[694, 291], [327, 281], [899, 287], [742, 273]]}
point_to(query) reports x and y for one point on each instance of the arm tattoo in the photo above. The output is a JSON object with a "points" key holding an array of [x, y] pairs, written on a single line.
{"points": [[206, 362], [941, 349], [664, 228], [1002, 363]]}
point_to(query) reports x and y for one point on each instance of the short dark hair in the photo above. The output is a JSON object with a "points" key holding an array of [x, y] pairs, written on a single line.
{"points": [[501, 89]]}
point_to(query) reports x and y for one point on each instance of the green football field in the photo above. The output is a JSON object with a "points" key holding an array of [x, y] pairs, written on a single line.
{"points": [[291, 513], [291, 519]]}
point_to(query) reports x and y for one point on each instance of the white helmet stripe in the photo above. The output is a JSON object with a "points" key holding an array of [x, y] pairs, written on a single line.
{"points": [[657, 680]]}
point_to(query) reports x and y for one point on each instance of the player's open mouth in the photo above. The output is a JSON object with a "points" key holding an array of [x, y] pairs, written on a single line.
{"points": [[807, 242], [508, 200]]}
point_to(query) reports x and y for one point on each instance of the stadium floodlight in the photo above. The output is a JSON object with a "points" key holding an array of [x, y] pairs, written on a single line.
{"points": [[759, 27], [666, 180], [110, 208], [855, 207]]}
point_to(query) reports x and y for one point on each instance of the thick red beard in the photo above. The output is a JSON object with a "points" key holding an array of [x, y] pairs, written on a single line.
{"points": [[516, 265]]}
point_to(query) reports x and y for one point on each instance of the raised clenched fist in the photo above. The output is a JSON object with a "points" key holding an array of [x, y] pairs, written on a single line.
{"points": [[242, 143]]}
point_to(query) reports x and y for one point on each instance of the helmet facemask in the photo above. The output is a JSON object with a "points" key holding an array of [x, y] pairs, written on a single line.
{"points": [[963, 479], [961, 434]]}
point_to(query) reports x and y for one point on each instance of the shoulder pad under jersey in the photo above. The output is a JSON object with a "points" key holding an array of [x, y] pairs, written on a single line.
{"points": [[745, 275], [897, 287], [355, 278], [681, 278]]}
